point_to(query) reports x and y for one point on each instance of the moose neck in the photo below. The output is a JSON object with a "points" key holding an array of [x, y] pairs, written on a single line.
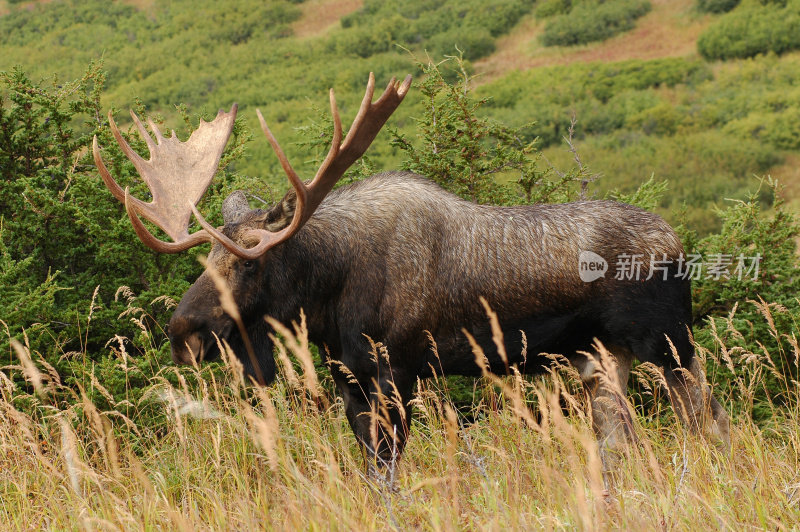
{"points": [[307, 273]]}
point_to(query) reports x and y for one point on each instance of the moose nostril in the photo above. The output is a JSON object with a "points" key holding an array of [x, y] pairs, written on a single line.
{"points": [[188, 350]]}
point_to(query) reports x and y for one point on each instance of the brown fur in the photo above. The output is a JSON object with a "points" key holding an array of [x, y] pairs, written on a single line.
{"points": [[395, 257]]}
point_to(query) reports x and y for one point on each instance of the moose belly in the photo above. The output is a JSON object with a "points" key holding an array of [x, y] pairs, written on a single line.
{"points": [[526, 341]]}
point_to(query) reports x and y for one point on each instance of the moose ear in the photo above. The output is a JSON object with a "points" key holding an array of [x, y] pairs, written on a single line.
{"points": [[234, 207], [282, 213]]}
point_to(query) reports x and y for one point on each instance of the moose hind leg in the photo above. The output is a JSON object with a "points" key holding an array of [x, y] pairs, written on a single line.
{"points": [[693, 403]]}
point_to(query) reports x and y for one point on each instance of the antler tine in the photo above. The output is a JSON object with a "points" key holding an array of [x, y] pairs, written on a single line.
{"points": [[287, 167], [401, 90], [366, 102], [368, 122], [143, 132], [156, 131], [300, 189], [336, 141], [135, 158], [112, 185], [337, 121]]}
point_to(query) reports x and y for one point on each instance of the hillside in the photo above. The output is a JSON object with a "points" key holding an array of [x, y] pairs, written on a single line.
{"points": [[287, 67]]}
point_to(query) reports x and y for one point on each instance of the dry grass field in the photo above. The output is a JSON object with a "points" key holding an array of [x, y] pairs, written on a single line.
{"points": [[228, 456]]}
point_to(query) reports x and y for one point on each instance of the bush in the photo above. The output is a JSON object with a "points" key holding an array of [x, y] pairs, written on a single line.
{"points": [[474, 45], [465, 153], [781, 130], [661, 119], [438, 27], [754, 30], [368, 41], [716, 6], [26, 300], [736, 307], [61, 226], [593, 21], [549, 8]]}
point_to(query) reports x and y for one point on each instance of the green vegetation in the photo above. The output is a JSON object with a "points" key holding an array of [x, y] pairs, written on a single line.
{"points": [[604, 96], [471, 25], [464, 153], [747, 301], [706, 133], [753, 28], [209, 54], [549, 8], [716, 6], [589, 20]]}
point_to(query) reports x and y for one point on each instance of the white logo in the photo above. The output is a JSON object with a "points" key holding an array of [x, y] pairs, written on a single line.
{"points": [[591, 266]]}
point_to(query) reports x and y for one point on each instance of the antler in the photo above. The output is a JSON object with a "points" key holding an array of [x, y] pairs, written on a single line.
{"points": [[368, 122], [177, 173]]}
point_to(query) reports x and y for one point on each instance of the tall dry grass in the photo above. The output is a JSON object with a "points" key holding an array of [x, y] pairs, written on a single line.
{"points": [[229, 456]]}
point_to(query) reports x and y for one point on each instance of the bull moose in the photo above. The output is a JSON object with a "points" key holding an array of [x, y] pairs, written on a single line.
{"points": [[398, 260]]}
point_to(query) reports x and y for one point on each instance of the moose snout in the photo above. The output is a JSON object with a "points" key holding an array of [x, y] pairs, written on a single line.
{"points": [[194, 336], [187, 349], [187, 340]]}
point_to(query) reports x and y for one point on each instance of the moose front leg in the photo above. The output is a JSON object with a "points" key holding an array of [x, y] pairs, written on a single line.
{"points": [[694, 405], [605, 379], [379, 413]]}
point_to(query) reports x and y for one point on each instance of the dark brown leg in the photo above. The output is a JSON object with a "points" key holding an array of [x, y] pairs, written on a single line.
{"points": [[606, 379], [693, 403]]}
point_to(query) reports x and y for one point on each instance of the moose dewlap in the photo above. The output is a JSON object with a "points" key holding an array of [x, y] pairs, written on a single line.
{"points": [[396, 259]]}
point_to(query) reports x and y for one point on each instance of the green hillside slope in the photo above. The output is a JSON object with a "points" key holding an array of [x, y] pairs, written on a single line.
{"points": [[207, 55], [709, 130]]}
